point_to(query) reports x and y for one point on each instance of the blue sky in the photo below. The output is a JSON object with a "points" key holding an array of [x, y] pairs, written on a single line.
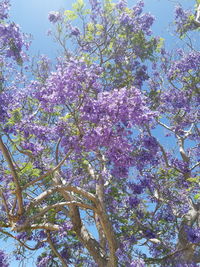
{"points": [[32, 16]]}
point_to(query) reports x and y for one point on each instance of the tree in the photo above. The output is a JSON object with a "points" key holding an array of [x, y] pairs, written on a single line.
{"points": [[85, 174]]}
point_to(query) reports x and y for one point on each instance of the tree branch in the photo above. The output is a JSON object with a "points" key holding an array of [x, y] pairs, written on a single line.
{"points": [[49, 172], [18, 191], [55, 251], [21, 243]]}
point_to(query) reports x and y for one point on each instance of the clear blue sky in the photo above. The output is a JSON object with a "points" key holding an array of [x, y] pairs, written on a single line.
{"points": [[32, 16]]}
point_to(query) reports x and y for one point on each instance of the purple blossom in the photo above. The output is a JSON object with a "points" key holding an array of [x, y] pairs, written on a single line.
{"points": [[137, 9], [150, 143], [136, 188], [193, 235], [65, 253], [54, 16], [4, 6], [95, 4], [43, 261], [121, 4], [66, 226], [75, 31], [188, 62], [122, 256], [12, 40], [183, 20], [3, 259], [133, 201], [137, 263], [136, 22], [22, 235], [146, 21]]}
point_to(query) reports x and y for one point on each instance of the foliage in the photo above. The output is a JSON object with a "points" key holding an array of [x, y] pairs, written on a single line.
{"points": [[86, 173]]}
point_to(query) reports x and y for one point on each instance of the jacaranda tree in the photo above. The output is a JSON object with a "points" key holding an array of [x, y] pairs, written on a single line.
{"points": [[99, 152]]}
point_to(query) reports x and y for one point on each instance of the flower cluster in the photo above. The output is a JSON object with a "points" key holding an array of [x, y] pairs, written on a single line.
{"points": [[67, 84], [135, 22], [123, 105], [3, 259], [188, 63], [193, 235], [4, 5], [43, 261], [137, 263], [66, 226], [184, 20], [54, 16], [11, 39]]}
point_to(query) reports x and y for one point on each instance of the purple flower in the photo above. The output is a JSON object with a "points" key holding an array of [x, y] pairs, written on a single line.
{"points": [[54, 16], [188, 62], [133, 201], [4, 5], [137, 263], [43, 261], [65, 253], [66, 226], [193, 235], [121, 4], [75, 31], [136, 188], [12, 40], [137, 9], [183, 20], [3, 259]]}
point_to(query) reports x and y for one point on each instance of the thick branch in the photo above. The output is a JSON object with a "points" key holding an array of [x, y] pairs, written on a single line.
{"points": [[45, 226], [7, 156], [105, 228], [82, 233], [57, 188], [183, 244]]}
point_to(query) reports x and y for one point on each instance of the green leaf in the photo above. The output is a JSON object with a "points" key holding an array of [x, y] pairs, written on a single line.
{"points": [[90, 27], [197, 196], [29, 170], [193, 180], [66, 117], [78, 6], [71, 15], [160, 44]]}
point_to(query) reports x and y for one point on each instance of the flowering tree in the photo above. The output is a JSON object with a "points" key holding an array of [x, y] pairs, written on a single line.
{"points": [[99, 151]]}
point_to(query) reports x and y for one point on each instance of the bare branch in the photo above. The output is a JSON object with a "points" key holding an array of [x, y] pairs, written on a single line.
{"points": [[5, 203], [165, 126], [21, 243], [45, 226], [69, 188], [197, 18], [59, 205], [195, 165]]}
